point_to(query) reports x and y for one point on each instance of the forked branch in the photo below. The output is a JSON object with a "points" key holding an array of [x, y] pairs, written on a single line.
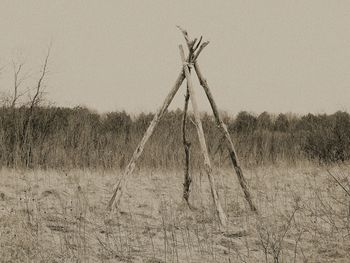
{"points": [[193, 48]]}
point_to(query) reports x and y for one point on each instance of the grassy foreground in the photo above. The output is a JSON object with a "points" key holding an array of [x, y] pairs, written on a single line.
{"points": [[58, 216]]}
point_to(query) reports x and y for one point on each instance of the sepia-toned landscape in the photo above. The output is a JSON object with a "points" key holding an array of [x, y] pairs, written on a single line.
{"points": [[264, 178]]}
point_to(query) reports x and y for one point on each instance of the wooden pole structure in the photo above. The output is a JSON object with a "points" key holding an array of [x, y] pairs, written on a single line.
{"points": [[233, 155], [195, 49], [203, 145], [120, 185], [187, 145], [234, 159]]}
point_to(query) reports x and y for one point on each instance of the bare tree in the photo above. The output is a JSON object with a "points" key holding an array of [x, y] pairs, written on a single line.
{"points": [[35, 100], [39, 86], [17, 81]]}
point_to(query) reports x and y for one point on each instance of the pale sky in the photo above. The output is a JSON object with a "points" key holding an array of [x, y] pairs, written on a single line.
{"points": [[271, 55]]}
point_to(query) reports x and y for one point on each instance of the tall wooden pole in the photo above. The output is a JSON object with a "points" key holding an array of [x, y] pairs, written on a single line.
{"points": [[187, 145], [234, 159], [203, 145], [120, 185]]}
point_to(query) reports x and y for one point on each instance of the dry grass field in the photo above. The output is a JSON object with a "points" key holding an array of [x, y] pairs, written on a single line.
{"points": [[58, 216]]}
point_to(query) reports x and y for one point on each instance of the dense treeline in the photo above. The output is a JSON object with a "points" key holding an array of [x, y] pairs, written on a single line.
{"points": [[53, 137]]}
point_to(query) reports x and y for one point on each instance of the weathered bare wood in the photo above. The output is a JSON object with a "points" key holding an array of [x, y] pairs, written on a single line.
{"points": [[219, 121], [203, 145], [200, 49], [194, 50], [222, 126], [198, 43], [187, 145], [120, 185]]}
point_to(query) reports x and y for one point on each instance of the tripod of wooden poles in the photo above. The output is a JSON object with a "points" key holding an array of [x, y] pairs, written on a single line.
{"points": [[195, 48]]}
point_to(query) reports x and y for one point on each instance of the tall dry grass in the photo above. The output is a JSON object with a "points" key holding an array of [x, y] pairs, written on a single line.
{"points": [[57, 216], [78, 138]]}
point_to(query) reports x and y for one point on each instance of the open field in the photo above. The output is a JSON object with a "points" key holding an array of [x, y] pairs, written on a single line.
{"points": [[126, 138], [58, 216]]}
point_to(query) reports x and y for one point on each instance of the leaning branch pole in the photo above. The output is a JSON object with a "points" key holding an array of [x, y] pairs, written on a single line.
{"points": [[187, 145], [120, 185], [223, 128], [203, 145]]}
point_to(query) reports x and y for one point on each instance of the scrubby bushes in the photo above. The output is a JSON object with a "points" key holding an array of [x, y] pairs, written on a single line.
{"points": [[64, 137]]}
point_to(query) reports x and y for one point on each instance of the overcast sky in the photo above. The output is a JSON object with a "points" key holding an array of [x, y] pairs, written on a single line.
{"points": [[271, 55]]}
